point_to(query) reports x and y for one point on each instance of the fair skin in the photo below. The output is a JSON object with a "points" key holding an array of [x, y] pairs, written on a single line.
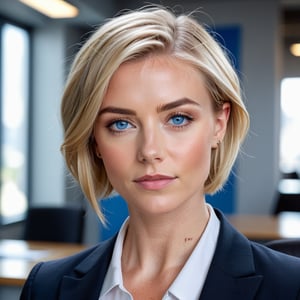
{"points": [[155, 132]]}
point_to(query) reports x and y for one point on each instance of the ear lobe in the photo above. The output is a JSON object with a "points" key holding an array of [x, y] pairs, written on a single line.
{"points": [[98, 154], [222, 118], [95, 146]]}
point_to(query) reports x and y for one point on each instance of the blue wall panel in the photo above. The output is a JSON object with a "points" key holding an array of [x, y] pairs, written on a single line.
{"points": [[230, 38]]}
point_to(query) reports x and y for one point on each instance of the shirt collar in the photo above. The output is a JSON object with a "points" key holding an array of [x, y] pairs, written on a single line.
{"points": [[113, 276]]}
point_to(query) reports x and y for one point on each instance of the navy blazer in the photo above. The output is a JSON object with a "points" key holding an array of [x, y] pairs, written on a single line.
{"points": [[240, 269]]}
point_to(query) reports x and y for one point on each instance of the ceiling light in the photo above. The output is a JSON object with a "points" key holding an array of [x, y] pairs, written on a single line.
{"points": [[295, 49], [53, 8]]}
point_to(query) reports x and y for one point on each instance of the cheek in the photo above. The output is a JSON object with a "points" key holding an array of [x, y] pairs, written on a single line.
{"points": [[198, 153], [115, 161], [195, 154]]}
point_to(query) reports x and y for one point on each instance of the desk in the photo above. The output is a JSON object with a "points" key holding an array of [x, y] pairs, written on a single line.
{"points": [[267, 227], [17, 258]]}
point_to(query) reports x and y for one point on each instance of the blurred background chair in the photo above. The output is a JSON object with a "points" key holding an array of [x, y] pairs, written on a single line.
{"points": [[288, 196], [287, 202], [288, 246], [55, 224]]}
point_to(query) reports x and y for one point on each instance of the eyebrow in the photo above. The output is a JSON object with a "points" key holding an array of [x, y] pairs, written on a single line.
{"points": [[161, 108], [174, 104], [116, 110]]}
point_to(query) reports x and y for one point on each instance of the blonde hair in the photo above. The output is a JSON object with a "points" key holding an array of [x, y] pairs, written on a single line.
{"points": [[131, 36]]}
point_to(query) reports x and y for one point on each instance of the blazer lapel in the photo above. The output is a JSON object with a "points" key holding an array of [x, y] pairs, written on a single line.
{"points": [[225, 287], [232, 272], [87, 278]]}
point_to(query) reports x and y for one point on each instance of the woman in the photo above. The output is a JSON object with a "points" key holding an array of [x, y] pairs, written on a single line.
{"points": [[152, 110]]}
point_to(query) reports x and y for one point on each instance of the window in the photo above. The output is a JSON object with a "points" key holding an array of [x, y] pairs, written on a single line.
{"points": [[290, 125], [14, 83]]}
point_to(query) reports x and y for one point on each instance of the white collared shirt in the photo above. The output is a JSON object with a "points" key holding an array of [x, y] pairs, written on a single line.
{"points": [[189, 282]]}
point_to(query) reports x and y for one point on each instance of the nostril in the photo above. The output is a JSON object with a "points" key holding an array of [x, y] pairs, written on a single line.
{"points": [[149, 156]]}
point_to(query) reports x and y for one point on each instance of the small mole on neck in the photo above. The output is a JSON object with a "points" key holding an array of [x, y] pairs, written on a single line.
{"points": [[188, 239]]}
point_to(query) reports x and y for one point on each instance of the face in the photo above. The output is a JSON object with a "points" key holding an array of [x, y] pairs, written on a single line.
{"points": [[155, 132]]}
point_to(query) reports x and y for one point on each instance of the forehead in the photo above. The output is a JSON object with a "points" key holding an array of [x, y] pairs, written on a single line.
{"points": [[159, 77], [158, 65]]}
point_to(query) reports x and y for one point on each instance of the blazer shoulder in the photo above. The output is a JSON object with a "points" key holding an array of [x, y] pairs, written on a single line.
{"points": [[271, 260], [45, 278], [274, 275], [281, 272]]}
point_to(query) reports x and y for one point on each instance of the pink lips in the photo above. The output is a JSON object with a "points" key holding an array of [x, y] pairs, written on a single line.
{"points": [[154, 182]]}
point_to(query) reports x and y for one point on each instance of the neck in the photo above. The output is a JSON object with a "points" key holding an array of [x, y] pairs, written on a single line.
{"points": [[163, 242]]}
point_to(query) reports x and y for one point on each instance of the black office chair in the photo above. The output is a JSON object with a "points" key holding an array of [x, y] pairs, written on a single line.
{"points": [[287, 202], [287, 196], [56, 224], [290, 175], [288, 246]]}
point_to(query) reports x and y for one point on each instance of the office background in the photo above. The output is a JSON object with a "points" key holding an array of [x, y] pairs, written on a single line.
{"points": [[263, 61]]}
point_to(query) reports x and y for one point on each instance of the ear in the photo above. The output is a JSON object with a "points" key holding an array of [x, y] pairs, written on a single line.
{"points": [[222, 117]]}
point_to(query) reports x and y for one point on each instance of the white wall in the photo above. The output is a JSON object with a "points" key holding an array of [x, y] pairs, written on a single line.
{"points": [[47, 167]]}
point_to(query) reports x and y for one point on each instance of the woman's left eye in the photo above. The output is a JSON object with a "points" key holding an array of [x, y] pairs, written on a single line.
{"points": [[179, 120]]}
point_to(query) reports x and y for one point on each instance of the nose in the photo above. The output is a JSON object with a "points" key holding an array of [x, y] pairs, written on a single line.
{"points": [[151, 145]]}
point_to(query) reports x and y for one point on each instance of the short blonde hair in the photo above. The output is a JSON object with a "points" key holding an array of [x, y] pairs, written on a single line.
{"points": [[131, 36]]}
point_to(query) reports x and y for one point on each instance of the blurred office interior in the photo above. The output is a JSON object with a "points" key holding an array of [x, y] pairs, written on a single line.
{"points": [[33, 72]]}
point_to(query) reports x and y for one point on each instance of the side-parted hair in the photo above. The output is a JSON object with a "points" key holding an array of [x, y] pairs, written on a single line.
{"points": [[135, 35]]}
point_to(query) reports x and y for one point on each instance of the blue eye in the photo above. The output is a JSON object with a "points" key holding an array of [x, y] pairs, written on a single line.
{"points": [[120, 125], [179, 120]]}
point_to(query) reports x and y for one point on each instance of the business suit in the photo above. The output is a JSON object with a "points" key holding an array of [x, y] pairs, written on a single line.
{"points": [[239, 270]]}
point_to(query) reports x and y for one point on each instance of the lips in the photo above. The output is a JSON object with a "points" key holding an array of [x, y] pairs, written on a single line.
{"points": [[154, 182]]}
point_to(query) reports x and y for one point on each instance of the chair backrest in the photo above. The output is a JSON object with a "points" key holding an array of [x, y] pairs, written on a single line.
{"points": [[287, 196], [287, 202], [57, 224], [288, 246]]}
